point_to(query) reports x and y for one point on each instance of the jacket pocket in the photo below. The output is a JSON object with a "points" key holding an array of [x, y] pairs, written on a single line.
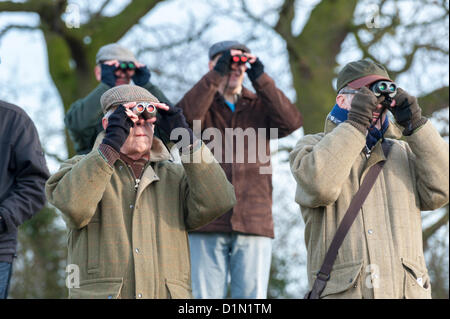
{"points": [[343, 282], [178, 289], [102, 288], [93, 248], [417, 282]]}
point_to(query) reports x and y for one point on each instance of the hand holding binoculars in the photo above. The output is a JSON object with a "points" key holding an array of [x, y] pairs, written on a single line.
{"points": [[145, 110]]}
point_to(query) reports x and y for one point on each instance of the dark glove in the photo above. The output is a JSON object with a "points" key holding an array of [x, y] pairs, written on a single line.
{"points": [[172, 119], [118, 128], [364, 103], [256, 70], [141, 76], [223, 64], [108, 76], [407, 112]]}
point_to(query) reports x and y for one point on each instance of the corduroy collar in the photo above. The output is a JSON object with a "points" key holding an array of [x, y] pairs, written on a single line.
{"points": [[158, 151], [392, 132]]}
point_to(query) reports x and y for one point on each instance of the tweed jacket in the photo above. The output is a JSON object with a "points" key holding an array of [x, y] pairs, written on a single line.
{"points": [[382, 254], [129, 238]]}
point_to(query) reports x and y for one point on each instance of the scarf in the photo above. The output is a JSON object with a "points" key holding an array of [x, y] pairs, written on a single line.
{"points": [[339, 115]]}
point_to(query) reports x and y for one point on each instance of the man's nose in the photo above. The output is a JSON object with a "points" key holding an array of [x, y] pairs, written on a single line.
{"points": [[121, 74], [140, 121], [236, 68]]}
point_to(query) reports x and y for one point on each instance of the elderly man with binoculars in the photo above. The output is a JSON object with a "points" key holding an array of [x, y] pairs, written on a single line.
{"points": [[361, 190], [129, 206], [116, 65]]}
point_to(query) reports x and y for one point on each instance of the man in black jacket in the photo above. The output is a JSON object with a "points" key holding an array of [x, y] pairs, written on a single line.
{"points": [[23, 173]]}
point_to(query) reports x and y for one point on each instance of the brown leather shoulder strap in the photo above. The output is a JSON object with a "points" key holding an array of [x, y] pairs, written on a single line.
{"points": [[324, 273]]}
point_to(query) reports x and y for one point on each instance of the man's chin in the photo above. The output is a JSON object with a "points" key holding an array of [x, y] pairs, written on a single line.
{"points": [[122, 82], [234, 84]]}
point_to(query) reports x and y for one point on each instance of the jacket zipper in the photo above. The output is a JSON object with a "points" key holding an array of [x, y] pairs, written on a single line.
{"points": [[136, 186]]}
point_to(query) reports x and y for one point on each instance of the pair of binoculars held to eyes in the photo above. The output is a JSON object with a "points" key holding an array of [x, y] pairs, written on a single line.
{"points": [[145, 110], [239, 59], [126, 65], [386, 88]]}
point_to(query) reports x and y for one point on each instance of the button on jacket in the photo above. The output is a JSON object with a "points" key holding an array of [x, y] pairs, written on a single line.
{"points": [[132, 243], [268, 108], [382, 254]]}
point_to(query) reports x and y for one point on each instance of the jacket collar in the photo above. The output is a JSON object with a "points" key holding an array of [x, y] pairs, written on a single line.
{"points": [[245, 93], [392, 132], [377, 153], [158, 151]]}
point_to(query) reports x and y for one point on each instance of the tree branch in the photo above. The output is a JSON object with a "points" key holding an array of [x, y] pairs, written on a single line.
{"points": [[99, 12], [428, 232], [29, 6], [120, 23], [189, 37], [254, 18], [364, 48], [17, 27], [409, 58], [434, 101], [285, 18]]}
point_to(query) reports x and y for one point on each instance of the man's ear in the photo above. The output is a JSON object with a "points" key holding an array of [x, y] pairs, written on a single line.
{"points": [[104, 123], [98, 73], [340, 100], [211, 65]]}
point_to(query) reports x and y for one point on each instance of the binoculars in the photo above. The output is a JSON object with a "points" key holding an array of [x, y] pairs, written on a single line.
{"points": [[387, 89], [124, 66], [145, 110], [240, 59]]}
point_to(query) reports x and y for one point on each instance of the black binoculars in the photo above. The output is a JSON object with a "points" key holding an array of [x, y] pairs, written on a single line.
{"points": [[240, 59], [145, 110], [386, 88], [124, 66]]}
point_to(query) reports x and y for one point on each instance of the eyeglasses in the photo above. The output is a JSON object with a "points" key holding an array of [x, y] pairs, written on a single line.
{"points": [[348, 91], [145, 110]]}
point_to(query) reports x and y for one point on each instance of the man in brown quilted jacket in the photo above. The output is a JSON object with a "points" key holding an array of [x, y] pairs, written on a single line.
{"points": [[237, 246]]}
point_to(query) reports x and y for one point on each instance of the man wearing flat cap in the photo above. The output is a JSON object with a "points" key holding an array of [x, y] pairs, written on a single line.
{"points": [[128, 206], [238, 245], [381, 255], [116, 65]]}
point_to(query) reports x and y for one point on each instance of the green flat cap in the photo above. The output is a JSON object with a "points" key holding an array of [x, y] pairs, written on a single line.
{"points": [[123, 94], [361, 73]]}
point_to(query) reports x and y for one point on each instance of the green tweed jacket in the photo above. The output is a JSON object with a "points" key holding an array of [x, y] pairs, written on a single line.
{"points": [[132, 242], [382, 254]]}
